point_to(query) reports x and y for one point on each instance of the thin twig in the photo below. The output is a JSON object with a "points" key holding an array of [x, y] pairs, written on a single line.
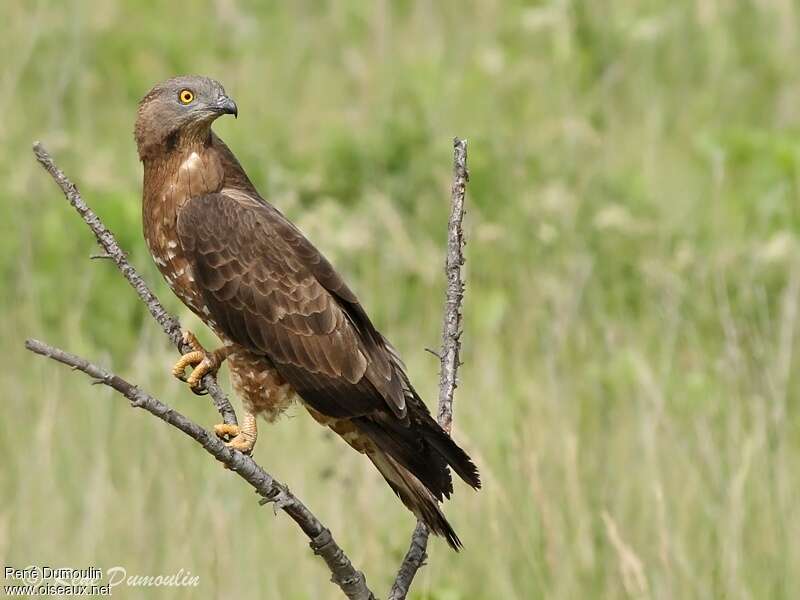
{"points": [[351, 581], [451, 327], [449, 355], [107, 241]]}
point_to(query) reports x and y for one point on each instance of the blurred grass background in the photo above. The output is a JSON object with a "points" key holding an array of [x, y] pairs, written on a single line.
{"points": [[629, 388]]}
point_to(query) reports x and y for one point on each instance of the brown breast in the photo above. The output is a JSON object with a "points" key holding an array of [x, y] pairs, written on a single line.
{"points": [[168, 185]]}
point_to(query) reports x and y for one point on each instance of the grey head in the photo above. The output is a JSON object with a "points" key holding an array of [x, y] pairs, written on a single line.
{"points": [[179, 111]]}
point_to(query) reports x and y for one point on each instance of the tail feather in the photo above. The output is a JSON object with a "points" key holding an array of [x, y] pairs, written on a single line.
{"points": [[413, 457], [454, 455], [416, 496], [409, 448], [422, 447]]}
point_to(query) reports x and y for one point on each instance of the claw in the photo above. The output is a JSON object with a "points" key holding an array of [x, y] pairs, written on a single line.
{"points": [[190, 339], [206, 365], [243, 437], [192, 358], [242, 443], [224, 430], [202, 363]]}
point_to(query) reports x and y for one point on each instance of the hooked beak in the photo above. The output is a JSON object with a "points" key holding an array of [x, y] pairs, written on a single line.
{"points": [[227, 106]]}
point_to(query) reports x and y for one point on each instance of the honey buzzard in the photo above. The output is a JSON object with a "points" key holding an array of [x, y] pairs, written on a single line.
{"points": [[291, 328]]}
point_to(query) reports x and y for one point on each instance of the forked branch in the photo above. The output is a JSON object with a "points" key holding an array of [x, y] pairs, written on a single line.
{"points": [[351, 581]]}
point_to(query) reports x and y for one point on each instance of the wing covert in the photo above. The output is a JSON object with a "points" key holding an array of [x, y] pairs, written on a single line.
{"points": [[269, 289]]}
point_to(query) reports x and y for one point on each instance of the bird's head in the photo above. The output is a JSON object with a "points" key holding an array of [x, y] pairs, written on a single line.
{"points": [[179, 111]]}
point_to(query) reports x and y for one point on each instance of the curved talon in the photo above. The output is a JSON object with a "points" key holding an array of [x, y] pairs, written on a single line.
{"points": [[192, 358], [202, 363], [243, 437], [205, 366]]}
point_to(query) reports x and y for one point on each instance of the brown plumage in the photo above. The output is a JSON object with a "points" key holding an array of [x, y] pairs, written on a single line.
{"points": [[291, 326]]}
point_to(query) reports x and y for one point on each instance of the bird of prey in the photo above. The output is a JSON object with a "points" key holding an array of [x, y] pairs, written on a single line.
{"points": [[291, 329]]}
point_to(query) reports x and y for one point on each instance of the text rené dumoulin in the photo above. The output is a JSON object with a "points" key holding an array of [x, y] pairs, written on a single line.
{"points": [[93, 576]]}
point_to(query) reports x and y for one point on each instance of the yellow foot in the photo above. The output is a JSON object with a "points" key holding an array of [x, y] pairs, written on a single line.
{"points": [[202, 362], [224, 430], [243, 438]]}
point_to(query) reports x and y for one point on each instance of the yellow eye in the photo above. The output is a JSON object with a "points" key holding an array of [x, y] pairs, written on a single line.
{"points": [[186, 96]]}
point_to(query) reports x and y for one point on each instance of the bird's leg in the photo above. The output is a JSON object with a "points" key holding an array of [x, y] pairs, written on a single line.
{"points": [[203, 362], [244, 435]]}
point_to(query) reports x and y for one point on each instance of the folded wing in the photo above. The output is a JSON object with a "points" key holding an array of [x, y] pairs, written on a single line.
{"points": [[269, 289]]}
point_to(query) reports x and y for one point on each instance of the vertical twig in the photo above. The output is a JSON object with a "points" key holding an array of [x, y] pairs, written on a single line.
{"points": [[451, 326], [451, 349]]}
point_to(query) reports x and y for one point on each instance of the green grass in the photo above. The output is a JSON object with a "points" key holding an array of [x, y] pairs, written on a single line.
{"points": [[629, 388]]}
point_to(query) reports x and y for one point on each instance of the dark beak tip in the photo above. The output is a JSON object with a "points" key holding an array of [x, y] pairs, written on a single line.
{"points": [[229, 107]]}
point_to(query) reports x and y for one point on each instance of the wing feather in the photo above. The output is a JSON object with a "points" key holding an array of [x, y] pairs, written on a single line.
{"points": [[273, 292]]}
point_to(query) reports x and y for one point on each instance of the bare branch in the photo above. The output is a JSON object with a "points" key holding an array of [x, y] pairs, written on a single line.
{"points": [[352, 582], [451, 349], [414, 559], [451, 327], [107, 241]]}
